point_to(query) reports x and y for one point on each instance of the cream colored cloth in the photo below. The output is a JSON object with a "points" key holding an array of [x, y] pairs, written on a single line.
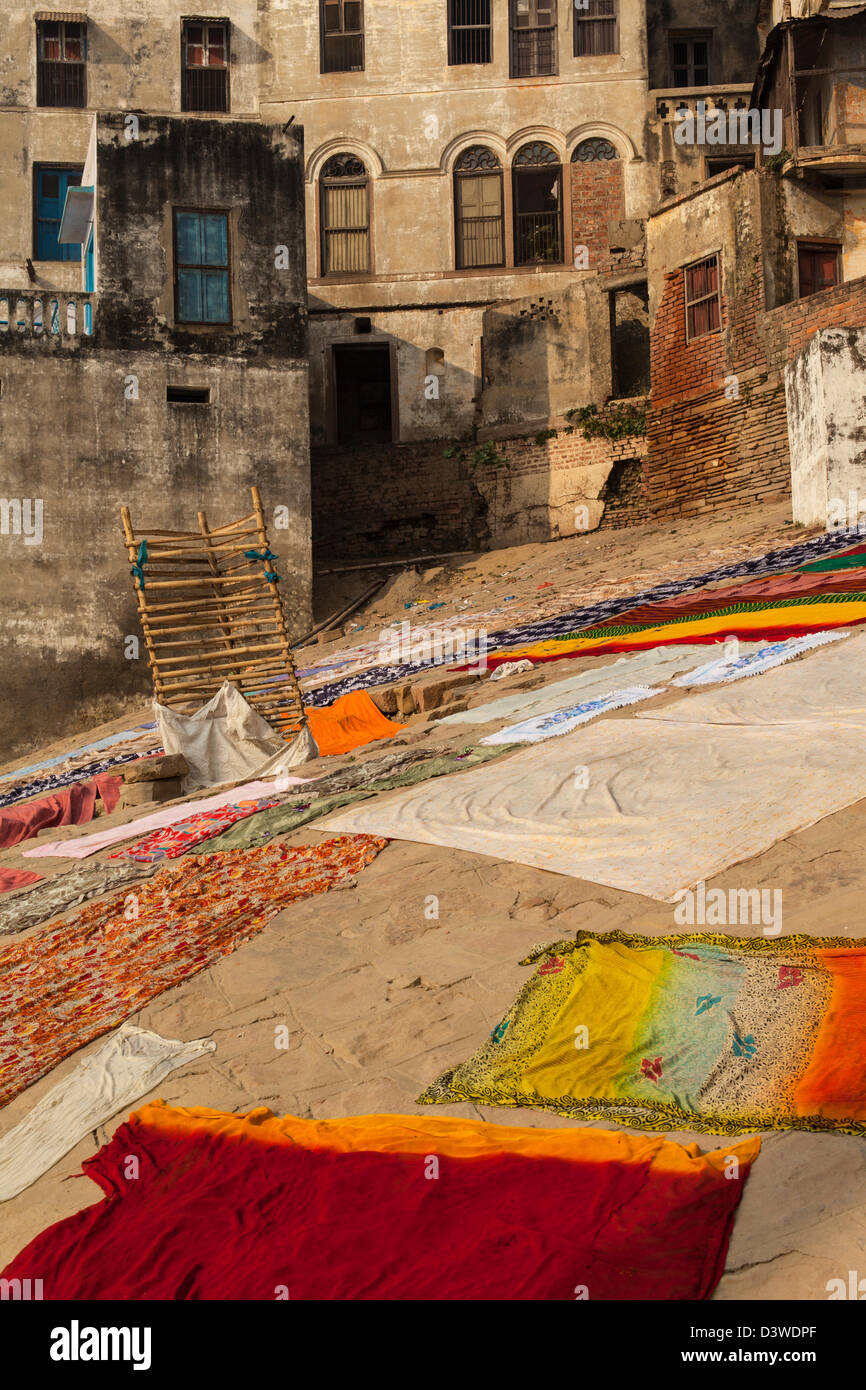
{"points": [[227, 741], [128, 1064], [642, 668], [655, 803]]}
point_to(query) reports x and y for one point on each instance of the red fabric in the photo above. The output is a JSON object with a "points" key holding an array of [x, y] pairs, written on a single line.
{"points": [[210, 1216], [17, 878], [71, 805]]}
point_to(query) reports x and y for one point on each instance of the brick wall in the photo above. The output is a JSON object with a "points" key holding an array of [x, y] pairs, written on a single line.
{"points": [[596, 198], [717, 430], [396, 500]]}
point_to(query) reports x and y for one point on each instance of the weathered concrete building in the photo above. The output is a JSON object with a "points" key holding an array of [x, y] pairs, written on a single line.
{"points": [[153, 333]]}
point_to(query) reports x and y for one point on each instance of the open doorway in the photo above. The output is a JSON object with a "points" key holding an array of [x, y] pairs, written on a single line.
{"points": [[362, 380]]}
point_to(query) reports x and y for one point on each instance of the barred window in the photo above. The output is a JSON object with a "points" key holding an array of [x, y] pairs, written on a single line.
{"points": [[344, 189], [468, 32], [537, 191], [205, 78], [596, 29], [342, 35], [478, 213], [533, 38], [61, 63], [703, 306], [690, 59]]}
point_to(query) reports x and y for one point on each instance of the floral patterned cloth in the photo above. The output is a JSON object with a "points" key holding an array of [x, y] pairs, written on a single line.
{"points": [[174, 840], [69, 984]]}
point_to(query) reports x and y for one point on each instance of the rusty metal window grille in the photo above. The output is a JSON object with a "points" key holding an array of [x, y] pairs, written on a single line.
{"points": [[596, 29], [589, 151], [703, 304], [478, 211], [61, 71], [533, 38], [345, 201], [205, 85], [690, 59], [342, 35], [537, 191], [469, 39]]}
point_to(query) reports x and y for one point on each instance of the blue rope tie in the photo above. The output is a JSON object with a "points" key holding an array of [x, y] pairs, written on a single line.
{"points": [[141, 561]]}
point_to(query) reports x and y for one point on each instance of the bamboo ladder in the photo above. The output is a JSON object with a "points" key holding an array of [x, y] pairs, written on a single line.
{"points": [[209, 614]]}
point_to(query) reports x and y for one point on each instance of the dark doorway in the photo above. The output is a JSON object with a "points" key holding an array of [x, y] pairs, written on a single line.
{"points": [[363, 394], [630, 341]]}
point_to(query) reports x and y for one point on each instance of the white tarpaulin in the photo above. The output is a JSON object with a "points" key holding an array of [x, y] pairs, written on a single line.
{"points": [[227, 741], [657, 802]]}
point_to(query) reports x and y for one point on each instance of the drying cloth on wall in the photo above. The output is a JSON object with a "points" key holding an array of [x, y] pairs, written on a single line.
{"points": [[559, 624], [121, 1070], [55, 780], [563, 721], [723, 775], [700, 1032], [292, 814], [657, 664], [226, 740], [126, 736], [350, 722], [11, 879], [174, 840], [762, 620], [63, 987], [55, 895], [254, 1207], [85, 845], [74, 805], [756, 661]]}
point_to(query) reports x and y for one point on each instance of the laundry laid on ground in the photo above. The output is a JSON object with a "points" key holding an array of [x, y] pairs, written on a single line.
{"points": [[706, 1032], [10, 879], [563, 721], [125, 736], [723, 775], [174, 840], [349, 723], [119, 1072], [651, 667], [55, 895], [291, 814], [55, 780], [560, 625], [68, 984], [85, 845], [756, 661], [255, 1207], [75, 805]]}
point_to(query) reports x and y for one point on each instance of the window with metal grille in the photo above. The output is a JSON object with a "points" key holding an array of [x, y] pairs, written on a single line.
{"points": [[201, 266], [205, 84], [61, 72], [819, 265], [479, 222], [596, 29], [690, 59], [596, 148], [537, 192], [703, 306], [342, 35], [533, 38], [345, 216], [50, 183], [468, 31]]}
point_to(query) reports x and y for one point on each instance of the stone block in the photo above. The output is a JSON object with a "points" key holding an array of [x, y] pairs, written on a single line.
{"points": [[431, 692], [169, 765], [150, 793]]}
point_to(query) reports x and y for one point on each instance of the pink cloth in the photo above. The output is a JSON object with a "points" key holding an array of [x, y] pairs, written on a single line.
{"points": [[86, 845], [17, 878], [73, 805]]}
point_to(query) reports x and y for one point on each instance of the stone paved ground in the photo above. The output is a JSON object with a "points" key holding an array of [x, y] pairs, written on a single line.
{"points": [[378, 999]]}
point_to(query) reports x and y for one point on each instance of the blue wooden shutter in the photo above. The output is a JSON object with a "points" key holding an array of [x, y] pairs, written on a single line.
{"points": [[51, 186]]}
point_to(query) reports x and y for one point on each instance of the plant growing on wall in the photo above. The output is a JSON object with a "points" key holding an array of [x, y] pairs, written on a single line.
{"points": [[618, 422]]}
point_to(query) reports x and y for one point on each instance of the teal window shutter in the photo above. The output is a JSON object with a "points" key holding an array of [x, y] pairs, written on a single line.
{"points": [[202, 267]]}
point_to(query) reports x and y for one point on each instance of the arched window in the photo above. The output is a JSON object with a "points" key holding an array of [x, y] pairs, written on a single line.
{"points": [[479, 223], [594, 149], [537, 186], [345, 206]]}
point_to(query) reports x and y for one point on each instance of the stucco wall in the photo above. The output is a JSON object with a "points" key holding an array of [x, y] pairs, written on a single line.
{"points": [[825, 390]]}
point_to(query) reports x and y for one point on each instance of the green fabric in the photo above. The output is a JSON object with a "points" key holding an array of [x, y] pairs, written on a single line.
{"points": [[834, 562], [280, 820]]}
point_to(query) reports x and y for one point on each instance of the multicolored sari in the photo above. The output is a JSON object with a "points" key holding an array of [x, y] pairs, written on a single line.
{"points": [[701, 1032]]}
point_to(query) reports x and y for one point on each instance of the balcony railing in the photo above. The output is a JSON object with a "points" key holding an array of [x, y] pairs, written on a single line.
{"points": [[52, 317], [537, 238], [672, 103], [533, 52]]}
